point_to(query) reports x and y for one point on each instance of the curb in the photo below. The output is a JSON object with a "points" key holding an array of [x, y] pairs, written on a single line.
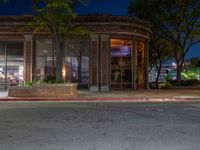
{"points": [[105, 99]]}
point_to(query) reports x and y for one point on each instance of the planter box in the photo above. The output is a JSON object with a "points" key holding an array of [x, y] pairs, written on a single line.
{"points": [[46, 90]]}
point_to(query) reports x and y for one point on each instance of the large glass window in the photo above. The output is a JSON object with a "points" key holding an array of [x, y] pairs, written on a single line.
{"points": [[75, 66], [44, 59], [11, 63], [121, 64], [76, 61]]}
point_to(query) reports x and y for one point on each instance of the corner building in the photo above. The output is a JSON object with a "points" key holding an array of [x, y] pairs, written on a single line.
{"points": [[114, 56]]}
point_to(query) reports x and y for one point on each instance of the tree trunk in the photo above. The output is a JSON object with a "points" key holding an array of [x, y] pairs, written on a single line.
{"points": [[158, 75], [59, 50], [178, 72]]}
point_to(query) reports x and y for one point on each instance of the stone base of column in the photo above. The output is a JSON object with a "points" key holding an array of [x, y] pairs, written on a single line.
{"points": [[104, 88], [94, 89]]}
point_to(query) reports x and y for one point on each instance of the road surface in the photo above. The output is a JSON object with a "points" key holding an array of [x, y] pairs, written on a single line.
{"points": [[99, 126]]}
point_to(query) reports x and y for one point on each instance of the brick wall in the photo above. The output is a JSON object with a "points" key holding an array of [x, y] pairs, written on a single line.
{"points": [[28, 57]]}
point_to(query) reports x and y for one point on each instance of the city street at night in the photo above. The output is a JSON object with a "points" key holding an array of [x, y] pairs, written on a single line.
{"points": [[99, 75]]}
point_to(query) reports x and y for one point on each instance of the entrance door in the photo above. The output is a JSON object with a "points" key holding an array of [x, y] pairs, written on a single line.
{"points": [[121, 64]]}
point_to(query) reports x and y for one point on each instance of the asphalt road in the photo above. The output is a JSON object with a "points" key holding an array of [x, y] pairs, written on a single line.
{"points": [[99, 126]]}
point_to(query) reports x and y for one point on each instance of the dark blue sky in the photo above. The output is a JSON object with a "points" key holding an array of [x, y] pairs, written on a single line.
{"points": [[115, 7]]}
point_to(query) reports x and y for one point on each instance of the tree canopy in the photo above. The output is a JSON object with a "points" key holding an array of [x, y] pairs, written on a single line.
{"points": [[55, 16], [177, 21]]}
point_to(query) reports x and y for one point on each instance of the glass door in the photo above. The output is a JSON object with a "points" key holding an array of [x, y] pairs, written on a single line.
{"points": [[121, 62]]}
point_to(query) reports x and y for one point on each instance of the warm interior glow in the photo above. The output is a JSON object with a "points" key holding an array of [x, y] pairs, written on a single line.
{"points": [[64, 73], [119, 42]]}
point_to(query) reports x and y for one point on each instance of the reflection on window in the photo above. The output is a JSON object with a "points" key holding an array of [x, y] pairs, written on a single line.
{"points": [[75, 66], [76, 60], [11, 63], [44, 59], [120, 48], [121, 61], [72, 71]]}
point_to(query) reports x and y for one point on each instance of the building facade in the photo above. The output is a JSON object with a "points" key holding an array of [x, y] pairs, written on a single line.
{"points": [[113, 56]]}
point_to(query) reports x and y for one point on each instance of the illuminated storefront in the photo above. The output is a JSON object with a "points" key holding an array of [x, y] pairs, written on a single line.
{"points": [[114, 56], [121, 64]]}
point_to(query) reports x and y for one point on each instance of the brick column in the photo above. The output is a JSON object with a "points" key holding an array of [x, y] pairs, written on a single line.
{"points": [[134, 64], [94, 63], [105, 62], [28, 47], [147, 63]]}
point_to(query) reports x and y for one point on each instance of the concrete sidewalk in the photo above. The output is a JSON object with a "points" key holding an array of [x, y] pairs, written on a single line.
{"points": [[146, 95], [120, 96], [171, 93]]}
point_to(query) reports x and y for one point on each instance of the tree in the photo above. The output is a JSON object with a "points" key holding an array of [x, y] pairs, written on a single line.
{"points": [[160, 51], [55, 16], [195, 62], [178, 22]]}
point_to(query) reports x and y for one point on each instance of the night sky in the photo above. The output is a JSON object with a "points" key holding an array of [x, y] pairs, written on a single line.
{"points": [[115, 7]]}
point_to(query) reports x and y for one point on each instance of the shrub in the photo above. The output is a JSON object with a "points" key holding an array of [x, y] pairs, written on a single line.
{"points": [[167, 85], [49, 79], [29, 83], [191, 82], [59, 82], [173, 82]]}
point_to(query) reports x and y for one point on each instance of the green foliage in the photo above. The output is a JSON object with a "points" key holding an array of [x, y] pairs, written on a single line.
{"points": [[188, 74], [160, 49], [173, 82], [49, 79], [167, 85], [60, 81], [191, 82], [176, 21], [29, 83], [195, 62], [55, 16]]}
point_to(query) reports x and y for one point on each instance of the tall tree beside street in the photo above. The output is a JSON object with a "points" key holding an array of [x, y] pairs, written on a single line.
{"points": [[177, 21], [160, 51], [55, 16]]}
